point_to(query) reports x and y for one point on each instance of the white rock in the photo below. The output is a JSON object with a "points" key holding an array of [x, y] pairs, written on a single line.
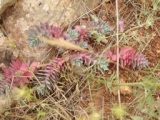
{"points": [[46, 7]]}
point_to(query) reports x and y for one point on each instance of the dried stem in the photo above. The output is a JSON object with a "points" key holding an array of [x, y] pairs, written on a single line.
{"points": [[117, 41]]}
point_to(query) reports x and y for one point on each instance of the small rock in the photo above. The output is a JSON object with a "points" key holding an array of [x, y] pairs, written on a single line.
{"points": [[158, 51], [125, 90], [46, 7]]}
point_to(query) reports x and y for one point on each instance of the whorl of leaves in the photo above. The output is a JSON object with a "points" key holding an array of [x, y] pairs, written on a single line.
{"points": [[129, 58], [82, 58], [98, 37], [49, 76], [55, 31], [99, 25], [71, 34], [18, 72], [103, 27], [42, 29], [78, 36], [102, 64], [33, 41], [83, 33], [88, 59], [98, 29], [83, 44], [45, 29]]}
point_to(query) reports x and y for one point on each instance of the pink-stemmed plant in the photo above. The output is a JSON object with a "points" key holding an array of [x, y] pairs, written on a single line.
{"points": [[18, 72], [128, 58]]}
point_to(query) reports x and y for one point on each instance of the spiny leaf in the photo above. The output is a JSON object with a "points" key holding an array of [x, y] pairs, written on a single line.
{"points": [[98, 37]]}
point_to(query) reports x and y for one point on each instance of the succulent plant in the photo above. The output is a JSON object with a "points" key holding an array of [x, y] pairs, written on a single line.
{"points": [[111, 56], [33, 41], [76, 60], [71, 35], [82, 32], [88, 59], [41, 30], [140, 61], [98, 37], [103, 28], [55, 31], [83, 44], [18, 72], [45, 29], [48, 76], [58, 62], [40, 90], [129, 58], [102, 64], [99, 25]]}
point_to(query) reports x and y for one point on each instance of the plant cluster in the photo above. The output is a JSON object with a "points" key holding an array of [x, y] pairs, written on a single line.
{"points": [[19, 73], [44, 79], [79, 35]]}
